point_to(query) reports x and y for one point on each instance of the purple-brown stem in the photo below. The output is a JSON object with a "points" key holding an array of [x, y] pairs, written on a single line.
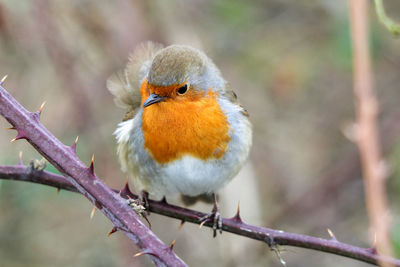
{"points": [[64, 158], [234, 225]]}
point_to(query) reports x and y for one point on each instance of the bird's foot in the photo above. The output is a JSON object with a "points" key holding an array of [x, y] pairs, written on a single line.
{"points": [[214, 217], [140, 205], [137, 206]]}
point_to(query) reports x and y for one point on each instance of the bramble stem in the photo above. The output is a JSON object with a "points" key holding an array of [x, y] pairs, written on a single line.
{"points": [[233, 225]]}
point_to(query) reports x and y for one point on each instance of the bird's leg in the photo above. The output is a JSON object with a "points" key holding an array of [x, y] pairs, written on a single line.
{"points": [[215, 216], [145, 201]]}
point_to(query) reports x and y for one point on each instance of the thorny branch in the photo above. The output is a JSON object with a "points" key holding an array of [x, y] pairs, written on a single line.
{"points": [[233, 225], [83, 178]]}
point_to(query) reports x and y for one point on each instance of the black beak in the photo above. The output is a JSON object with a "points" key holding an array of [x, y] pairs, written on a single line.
{"points": [[152, 99]]}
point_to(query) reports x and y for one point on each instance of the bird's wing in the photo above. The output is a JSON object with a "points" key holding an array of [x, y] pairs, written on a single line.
{"points": [[125, 84], [231, 96]]}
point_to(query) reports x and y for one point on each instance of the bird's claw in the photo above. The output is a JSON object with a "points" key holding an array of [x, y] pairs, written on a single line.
{"points": [[215, 218], [139, 207]]}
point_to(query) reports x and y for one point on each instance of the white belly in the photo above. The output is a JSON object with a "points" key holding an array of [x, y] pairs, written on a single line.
{"points": [[191, 176]]}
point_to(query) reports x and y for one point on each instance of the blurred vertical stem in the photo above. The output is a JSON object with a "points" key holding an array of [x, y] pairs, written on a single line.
{"points": [[393, 27], [366, 129]]}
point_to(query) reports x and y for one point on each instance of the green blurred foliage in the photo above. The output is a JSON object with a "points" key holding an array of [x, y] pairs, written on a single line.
{"points": [[341, 44], [396, 238]]}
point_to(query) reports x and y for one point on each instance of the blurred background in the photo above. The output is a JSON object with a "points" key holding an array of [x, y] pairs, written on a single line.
{"points": [[290, 64]]}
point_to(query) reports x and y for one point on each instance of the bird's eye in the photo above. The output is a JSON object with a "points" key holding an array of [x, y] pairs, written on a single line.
{"points": [[182, 90]]}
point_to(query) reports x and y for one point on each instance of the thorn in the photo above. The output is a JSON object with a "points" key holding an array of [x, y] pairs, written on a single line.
{"points": [[202, 223], [75, 143], [112, 231], [139, 254], [20, 135], [39, 112], [93, 211], [3, 79], [125, 191], [145, 252], [11, 128], [331, 234], [20, 162], [164, 200], [181, 224], [237, 218], [91, 168], [171, 247], [41, 107]]}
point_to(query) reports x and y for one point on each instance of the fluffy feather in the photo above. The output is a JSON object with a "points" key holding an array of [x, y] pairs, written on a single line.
{"points": [[125, 84]]}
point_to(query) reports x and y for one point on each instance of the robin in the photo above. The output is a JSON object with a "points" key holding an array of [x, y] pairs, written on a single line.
{"points": [[184, 130]]}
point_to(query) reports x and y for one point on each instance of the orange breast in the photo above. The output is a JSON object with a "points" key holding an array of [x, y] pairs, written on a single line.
{"points": [[195, 127]]}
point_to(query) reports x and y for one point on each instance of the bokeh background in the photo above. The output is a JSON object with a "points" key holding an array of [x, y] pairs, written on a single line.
{"points": [[290, 64]]}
